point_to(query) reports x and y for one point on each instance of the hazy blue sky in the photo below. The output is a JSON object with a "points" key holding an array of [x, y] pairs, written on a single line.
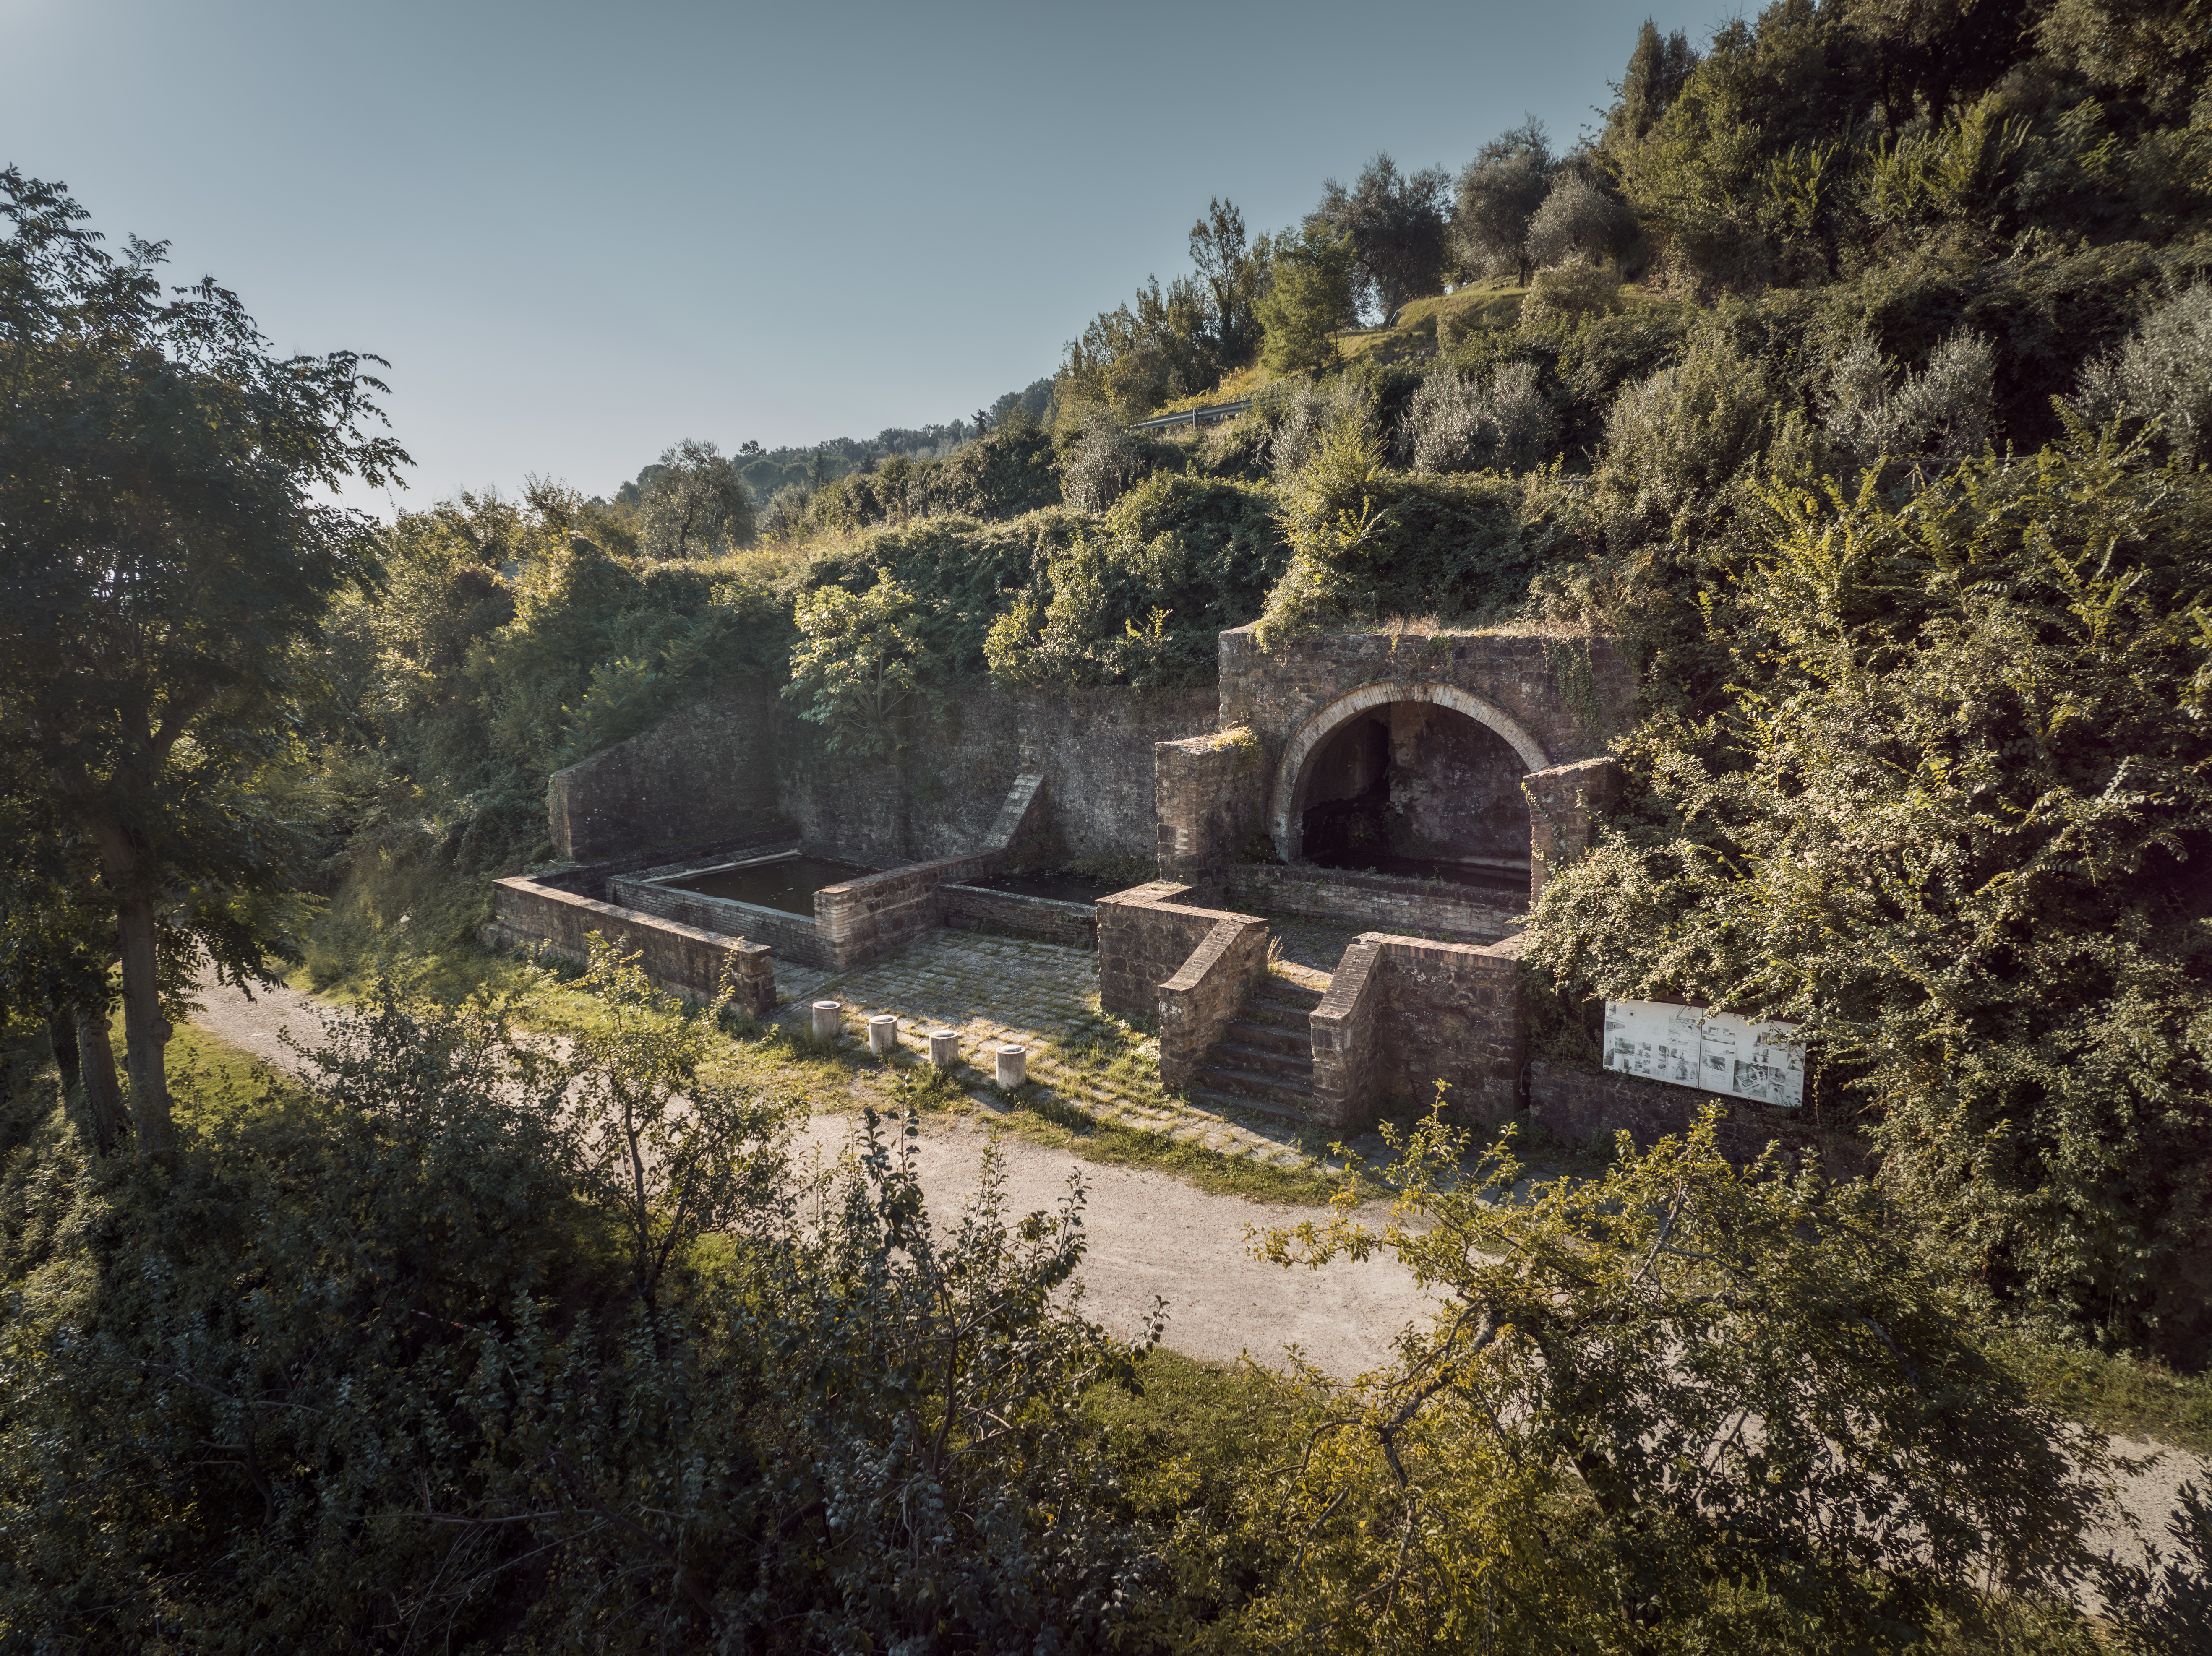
{"points": [[580, 233]]}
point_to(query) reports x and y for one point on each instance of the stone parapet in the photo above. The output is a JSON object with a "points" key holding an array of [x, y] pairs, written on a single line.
{"points": [[1196, 1004], [1343, 1033], [795, 937], [684, 959], [1145, 936], [864, 919], [1431, 907], [1403, 1014]]}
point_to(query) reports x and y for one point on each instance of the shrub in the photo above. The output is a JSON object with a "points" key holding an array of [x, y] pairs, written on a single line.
{"points": [[1572, 292], [1941, 414], [1457, 423], [2163, 373]]}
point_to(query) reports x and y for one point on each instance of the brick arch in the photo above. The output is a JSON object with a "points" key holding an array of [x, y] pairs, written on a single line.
{"points": [[1283, 823]]}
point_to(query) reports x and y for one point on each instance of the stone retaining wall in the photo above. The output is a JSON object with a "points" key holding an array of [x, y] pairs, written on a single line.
{"points": [[795, 937], [1403, 1014], [682, 958], [1197, 1004], [1208, 792], [1046, 920], [706, 770], [1577, 1104], [1564, 805], [1432, 908]]}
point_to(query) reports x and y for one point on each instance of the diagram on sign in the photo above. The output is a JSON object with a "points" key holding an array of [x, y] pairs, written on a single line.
{"points": [[1759, 1059]]}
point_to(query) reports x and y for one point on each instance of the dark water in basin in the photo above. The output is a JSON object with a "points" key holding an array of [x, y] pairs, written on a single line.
{"points": [[1059, 886], [787, 884], [1486, 881]]}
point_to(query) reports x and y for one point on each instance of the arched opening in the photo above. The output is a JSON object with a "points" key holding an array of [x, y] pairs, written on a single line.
{"points": [[1416, 788]]}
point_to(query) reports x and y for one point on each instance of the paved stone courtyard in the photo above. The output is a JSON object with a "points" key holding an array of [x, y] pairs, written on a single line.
{"points": [[1043, 997]]}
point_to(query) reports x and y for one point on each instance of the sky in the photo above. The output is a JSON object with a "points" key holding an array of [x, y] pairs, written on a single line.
{"points": [[580, 233]]}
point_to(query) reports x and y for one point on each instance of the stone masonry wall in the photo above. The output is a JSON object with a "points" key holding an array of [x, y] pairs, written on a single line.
{"points": [[794, 938], [1577, 1104], [1209, 802], [681, 958], [592, 879], [1564, 805], [1145, 936], [1571, 695], [1402, 1014], [1197, 1004], [707, 771], [863, 919], [1419, 907], [1046, 920], [1093, 749]]}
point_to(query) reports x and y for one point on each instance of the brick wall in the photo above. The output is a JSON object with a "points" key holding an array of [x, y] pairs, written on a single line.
{"points": [[1210, 800], [1046, 920], [1381, 901], [1539, 683], [678, 957], [1198, 1002], [1577, 1104], [1564, 805], [707, 771]]}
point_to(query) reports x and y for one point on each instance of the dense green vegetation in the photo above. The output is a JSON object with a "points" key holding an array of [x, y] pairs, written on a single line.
{"points": [[1858, 377]]}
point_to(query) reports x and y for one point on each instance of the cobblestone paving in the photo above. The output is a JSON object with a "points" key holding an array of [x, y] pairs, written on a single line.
{"points": [[1043, 997]]}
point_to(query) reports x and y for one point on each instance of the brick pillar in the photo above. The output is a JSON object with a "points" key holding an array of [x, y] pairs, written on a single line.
{"points": [[1564, 805], [1207, 794]]}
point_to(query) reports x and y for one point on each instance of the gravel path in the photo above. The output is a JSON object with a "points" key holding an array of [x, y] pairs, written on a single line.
{"points": [[1151, 1234]]}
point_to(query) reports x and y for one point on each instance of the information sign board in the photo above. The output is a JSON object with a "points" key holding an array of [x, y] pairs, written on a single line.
{"points": [[1713, 1051]]}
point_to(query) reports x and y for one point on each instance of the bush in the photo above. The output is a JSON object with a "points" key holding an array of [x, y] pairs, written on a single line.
{"points": [[2163, 373], [1941, 414], [1572, 292], [1458, 423]]}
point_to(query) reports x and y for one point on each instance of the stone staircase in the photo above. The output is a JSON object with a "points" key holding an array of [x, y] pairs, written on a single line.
{"points": [[1264, 1059]]}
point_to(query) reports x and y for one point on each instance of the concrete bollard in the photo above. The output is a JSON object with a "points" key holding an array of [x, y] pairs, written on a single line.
{"points": [[829, 1020], [1014, 1066], [944, 1047], [882, 1035]]}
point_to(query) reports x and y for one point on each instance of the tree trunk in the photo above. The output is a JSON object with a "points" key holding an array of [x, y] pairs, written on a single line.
{"points": [[144, 1035], [103, 1098]]}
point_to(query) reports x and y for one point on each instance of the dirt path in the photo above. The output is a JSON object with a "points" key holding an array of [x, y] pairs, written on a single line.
{"points": [[1151, 1234]]}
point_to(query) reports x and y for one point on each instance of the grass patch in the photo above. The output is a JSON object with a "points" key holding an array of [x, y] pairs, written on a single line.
{"points": [[1053, 1122], [2124, 1395]]}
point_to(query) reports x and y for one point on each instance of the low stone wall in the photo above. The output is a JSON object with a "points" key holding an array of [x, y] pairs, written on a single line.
{"points": [[1198, 1002], [864, 919], [1577, 1104], [592, 879], [795, 937], [1144, 935], [1343, 1028], [1046, 920], [1432, 908], [1403, 1014], [682, 958]]}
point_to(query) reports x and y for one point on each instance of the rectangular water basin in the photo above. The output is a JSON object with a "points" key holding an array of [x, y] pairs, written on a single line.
{"points": [[786, 884]]}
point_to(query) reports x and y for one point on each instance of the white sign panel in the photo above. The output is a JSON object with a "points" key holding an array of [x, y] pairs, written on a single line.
{"points": [[1713, 1051]]}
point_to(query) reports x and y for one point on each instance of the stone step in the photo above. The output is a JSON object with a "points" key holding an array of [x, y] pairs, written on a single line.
{"points": [[1291, 1011], [1240, 1083], [1292, 1066], [1296, 1039], [1281, 1105]]}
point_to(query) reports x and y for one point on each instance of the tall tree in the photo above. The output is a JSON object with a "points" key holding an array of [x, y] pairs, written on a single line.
{"points": [[1657, 68], [1498, 194], [1396, 223], [1232, 271], [166, 566]]}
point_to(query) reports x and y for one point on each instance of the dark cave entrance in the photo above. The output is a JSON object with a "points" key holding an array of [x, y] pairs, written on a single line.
{"points": [[1418, 789]]}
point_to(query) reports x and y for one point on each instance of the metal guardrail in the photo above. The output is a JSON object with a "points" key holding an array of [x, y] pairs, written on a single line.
{"points": [[1194, 418]]}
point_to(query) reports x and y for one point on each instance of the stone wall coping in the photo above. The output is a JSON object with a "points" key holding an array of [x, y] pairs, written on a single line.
{"points": [[1212, 949], [1168, 894], [1505, 950], [524, 883], [1067, 904]]}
